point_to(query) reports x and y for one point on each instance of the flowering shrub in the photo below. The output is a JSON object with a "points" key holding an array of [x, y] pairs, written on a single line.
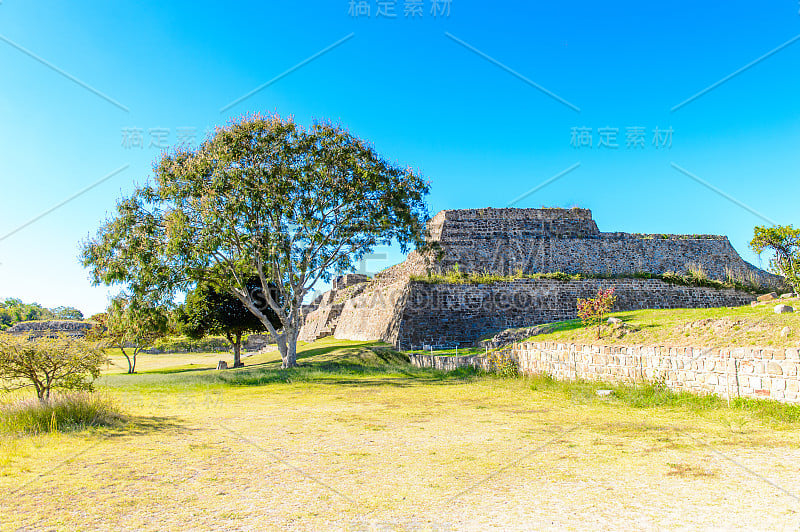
{"points": [[591, 310]]}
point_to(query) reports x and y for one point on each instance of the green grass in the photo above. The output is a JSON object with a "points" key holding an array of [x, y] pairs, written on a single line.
{"points": [[325, 361], [702, 327], [69, 412], [657, 396]]}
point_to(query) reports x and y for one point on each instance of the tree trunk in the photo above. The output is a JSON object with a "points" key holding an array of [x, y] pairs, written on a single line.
{"points": [[130, 365], [289, 350], [237, 351]]}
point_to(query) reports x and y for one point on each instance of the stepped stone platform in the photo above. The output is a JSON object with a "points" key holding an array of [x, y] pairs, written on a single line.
{"points": [[398, 306]]}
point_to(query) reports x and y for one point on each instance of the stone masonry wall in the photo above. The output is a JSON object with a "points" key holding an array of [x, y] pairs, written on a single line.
{"points": [[448, 314], [728, 372], [561, 240], [393, 308]]}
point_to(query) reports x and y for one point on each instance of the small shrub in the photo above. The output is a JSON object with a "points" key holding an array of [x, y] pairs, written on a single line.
{"points": [[62, 413], [503, 364], [591, 310]]}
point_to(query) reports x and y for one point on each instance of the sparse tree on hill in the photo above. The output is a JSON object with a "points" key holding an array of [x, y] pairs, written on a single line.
{"points": [[591, 310], [47, 364], [784, 243], [130, 325], [208, 310], [261, 195]]}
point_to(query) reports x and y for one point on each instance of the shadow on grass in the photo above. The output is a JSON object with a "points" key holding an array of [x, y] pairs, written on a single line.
{"points": [[339, 363], [143, 425], [345, 374]]}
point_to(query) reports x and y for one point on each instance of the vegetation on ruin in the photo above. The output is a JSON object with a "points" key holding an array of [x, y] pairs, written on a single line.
{"points": [[756, 326], [14, 311], [692, 278]]}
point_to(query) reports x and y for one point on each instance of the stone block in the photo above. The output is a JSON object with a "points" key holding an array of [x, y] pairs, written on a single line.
{"points": [[767, 297], [773, 368], [783, 309]]}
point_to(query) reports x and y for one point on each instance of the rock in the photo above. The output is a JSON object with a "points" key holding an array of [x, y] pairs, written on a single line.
{"points": [[783, 309], [768, 297], [787, 295], [614, 321], [785, 332], [753, 303], [222, 365], [604, 393]]}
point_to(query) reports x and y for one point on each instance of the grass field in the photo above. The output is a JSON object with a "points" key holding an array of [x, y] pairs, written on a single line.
{"points": [[710, 327], [358, 440]]}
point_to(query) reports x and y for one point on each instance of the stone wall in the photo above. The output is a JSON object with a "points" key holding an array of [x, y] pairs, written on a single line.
{"points": [[560, 240], [728, 372], [374, 315], [448, 314], [393, 308], [53, 327]]}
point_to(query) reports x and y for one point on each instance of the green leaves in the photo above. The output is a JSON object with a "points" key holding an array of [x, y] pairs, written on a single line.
{"points": [[784, 243], [262, 195], [47, 364]]}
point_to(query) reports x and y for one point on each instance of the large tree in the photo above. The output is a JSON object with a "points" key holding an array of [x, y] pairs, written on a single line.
{"points": [[209, 310], [262, 194], [784, 243]]}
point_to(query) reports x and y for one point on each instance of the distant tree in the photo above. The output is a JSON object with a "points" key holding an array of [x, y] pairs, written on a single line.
{"points": [[591, 310], [208, 310], [784, 243], [130, 325], [263, 194], [48, 364], [67, 313]]}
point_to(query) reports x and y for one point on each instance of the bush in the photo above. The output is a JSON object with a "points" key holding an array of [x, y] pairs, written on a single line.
{"points": [[60, 413], [47, 364], [503, 364]]}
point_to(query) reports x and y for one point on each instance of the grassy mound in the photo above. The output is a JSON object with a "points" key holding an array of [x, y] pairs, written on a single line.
{"points": [[757, 326], [61, 413], [328, 361]]}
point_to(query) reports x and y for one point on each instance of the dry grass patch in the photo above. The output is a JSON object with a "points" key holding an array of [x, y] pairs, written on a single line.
{"points": [[456, 452]]}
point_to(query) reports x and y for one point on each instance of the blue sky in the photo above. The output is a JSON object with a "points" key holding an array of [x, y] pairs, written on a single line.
{"points": [[459, 96]]}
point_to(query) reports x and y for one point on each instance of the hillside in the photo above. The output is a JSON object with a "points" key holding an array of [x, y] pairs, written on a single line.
{"points": [[703, 327]]}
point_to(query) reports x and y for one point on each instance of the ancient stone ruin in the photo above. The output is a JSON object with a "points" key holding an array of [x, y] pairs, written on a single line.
{"points": [[51, 328], [408, 305]]}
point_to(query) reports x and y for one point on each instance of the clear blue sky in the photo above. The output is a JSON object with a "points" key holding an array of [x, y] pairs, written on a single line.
{"points": [[481, 100]]}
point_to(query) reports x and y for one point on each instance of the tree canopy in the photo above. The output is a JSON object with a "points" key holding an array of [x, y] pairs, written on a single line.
{"points": [[13, 310], [47, 364], [208, 310], [261, 195], [130, 325], [784, 243]]}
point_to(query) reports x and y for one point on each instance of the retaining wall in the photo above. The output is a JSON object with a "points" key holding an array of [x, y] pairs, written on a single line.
{"points": [[449, 314], [753, 372]]}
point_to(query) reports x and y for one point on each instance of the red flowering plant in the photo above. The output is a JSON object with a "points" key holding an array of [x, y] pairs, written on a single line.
{"points": [[591, 310]]}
